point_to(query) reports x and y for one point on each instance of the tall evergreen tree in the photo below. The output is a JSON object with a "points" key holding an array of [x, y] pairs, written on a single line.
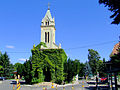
{"points": [[69, 70], [5, 63], [28, 71], [87, 70], [81, 70]]}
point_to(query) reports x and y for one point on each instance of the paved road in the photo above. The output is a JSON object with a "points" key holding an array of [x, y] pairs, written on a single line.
{"points": [[8, 85], [5, 85]]}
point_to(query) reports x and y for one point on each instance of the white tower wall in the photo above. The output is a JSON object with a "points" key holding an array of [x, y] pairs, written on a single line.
{"points": [[48, 31]]}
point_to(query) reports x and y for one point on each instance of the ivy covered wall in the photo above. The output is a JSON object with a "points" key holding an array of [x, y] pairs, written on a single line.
{"points": [[48, 64]]}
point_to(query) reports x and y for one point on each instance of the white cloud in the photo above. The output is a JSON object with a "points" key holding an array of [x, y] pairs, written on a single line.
{"points": [[9, 46], [22, 59]]}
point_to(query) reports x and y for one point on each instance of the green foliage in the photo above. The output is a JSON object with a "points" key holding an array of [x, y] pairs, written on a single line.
{"points": [[28, 71], [42, 44], [113, 6], [19, 68], [115, 60], [11, 70], [5, 65], [6, 69], [81, 72], [93, 58], [72, 68], [48, 64], [87, 70], [1, 70], [1, 67], [101, 68], [96, 64], [68, 70]]}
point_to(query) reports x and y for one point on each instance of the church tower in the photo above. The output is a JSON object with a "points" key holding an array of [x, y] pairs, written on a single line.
{"points": [[48, 31]]}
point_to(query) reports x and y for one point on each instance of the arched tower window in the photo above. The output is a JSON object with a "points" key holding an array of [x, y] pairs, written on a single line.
{"points": [[48, 23], [48, 37], [45, 36]]}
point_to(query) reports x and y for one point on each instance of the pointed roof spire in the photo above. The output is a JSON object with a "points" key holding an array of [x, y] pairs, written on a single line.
{"points": [[48, 14], [48, 17]]}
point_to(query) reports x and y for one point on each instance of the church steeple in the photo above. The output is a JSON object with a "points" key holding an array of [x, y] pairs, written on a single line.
{"points": [[48, 31], [48, 20]]}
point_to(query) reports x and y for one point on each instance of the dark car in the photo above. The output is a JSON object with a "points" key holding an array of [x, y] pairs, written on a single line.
{"points": [[2, 78]]}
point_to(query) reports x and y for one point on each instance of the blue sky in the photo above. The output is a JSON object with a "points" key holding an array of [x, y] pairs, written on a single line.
{"points": [[80, 25]]}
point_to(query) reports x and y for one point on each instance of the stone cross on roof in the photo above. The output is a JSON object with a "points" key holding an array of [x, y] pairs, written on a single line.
{"points": [[48, 5]]}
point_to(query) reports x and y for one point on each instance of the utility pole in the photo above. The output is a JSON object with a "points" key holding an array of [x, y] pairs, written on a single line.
{"points": [[115, 75]]}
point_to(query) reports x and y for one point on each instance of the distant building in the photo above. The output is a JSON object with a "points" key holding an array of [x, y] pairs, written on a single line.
{"points": [[48, 31], [115, 49]]}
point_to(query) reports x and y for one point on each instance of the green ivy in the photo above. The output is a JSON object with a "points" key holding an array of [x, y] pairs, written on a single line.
{"points": [[48, 64]]}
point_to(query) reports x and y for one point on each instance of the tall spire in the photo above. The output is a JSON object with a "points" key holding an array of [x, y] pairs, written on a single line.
{"points": [[48, 17]]}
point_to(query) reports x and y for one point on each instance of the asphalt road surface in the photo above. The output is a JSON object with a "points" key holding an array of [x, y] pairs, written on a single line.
{"points": [[8, 85]]}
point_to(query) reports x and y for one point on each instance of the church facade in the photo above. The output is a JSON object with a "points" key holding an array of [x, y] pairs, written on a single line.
{"points": [[48, 62], [48, 31]]}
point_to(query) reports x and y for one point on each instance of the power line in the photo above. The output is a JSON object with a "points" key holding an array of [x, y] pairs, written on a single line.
{"points": [[80, 47], [18, 52], [97, 44]]}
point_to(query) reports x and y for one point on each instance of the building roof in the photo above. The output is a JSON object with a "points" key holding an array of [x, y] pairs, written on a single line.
{"points": [[48, 16], [115, 49]]}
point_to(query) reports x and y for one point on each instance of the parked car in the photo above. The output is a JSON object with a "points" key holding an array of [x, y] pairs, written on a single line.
{"points": [[2, 78]]}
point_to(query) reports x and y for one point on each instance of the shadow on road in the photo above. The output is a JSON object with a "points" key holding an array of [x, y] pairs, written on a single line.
{"points": [[21, 82], [101, 86], [98, 88]]}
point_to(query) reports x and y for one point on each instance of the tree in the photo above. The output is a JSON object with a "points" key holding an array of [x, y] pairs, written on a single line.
{"points": [[19, 68], [113, 6], [101, 67], [68, 69], [1, 67], [72, 68], [11, 70], [93, 58], [76, 67], [28, 71], [115, 60], [81, 70], [5, 63], [87, 70]]}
